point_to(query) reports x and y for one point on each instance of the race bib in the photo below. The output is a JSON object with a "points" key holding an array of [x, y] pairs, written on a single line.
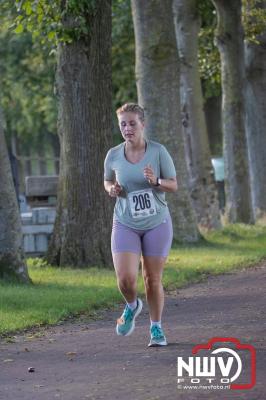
{"points": [[142, 203]]}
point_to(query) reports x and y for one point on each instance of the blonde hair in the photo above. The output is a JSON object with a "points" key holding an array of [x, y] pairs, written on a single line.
{"points": [[131, 107]]}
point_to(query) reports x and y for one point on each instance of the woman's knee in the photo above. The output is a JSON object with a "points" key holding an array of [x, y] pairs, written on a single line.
{"points": [[152, 281], [126, 282]]}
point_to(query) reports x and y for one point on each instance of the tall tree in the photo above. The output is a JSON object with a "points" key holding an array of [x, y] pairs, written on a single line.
{"points": [[255, 62], [82, 228], [229, 39], [201, 175], [157, 74], [12, 264]]}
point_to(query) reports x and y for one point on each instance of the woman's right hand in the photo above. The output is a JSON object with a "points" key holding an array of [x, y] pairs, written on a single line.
{"points": [[115, 190]]}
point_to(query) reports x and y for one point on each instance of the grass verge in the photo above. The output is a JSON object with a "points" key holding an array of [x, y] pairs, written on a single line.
{"points": [[58, 293]]}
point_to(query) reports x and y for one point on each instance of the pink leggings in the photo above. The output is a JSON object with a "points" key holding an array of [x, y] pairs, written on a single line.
{"points": [[152, 242]]}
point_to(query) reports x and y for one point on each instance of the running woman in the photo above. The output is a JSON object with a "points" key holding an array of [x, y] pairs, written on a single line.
{"points": [[137, 173]]}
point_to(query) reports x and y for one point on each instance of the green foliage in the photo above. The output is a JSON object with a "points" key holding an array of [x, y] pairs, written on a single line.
{"points": [[28, 56], [37, 263], [55, 21], [254, 19], [254, 22], [28, 64], [209, 58], [123, 54], [209, 64], [40, 18], [26, 81]]}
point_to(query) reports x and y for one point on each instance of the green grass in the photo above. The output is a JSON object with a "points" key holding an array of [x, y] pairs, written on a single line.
{"points": [[58, 293], [234, 247]]}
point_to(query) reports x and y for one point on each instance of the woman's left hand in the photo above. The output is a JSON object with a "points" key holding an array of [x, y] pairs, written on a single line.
{"points": [[149, 174]]}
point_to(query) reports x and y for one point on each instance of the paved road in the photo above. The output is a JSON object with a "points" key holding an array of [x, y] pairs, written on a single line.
{"points": [[79, 361]]}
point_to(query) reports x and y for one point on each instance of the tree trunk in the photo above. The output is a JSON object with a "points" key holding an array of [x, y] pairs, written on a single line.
{"points": [[12, 264], [201, 174], [157, 73], [229, 39], [21, 169], [84, 214], [256, 121]]}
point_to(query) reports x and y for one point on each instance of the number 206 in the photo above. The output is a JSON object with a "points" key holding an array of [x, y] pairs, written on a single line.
{"points": [[142, 201]]}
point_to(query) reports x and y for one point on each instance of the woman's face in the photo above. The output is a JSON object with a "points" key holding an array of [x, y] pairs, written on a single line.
{"points": [[131, 126]]}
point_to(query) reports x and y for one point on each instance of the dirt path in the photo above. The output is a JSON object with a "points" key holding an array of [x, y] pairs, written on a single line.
{"points": [[88, 361]]}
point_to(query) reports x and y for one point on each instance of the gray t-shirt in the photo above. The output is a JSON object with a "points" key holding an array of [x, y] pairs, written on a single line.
{"points": [[140, 205]]}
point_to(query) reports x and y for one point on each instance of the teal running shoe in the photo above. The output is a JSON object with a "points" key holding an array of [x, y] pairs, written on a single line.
{"points": [[126, 323], [157, 337]]}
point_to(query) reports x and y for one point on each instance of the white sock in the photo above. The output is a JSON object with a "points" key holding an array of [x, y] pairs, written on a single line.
{"points": [[132, 305], [156, 323]]}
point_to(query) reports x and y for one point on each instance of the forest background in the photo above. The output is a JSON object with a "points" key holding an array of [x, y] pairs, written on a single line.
{"points": [[198, 69]]}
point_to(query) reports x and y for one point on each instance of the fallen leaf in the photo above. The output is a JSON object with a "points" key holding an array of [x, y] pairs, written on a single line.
{"points": [[71, 353]]}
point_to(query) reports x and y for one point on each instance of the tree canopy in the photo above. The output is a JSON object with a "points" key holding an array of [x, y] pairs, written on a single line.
{"points": [[31, 30]]}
